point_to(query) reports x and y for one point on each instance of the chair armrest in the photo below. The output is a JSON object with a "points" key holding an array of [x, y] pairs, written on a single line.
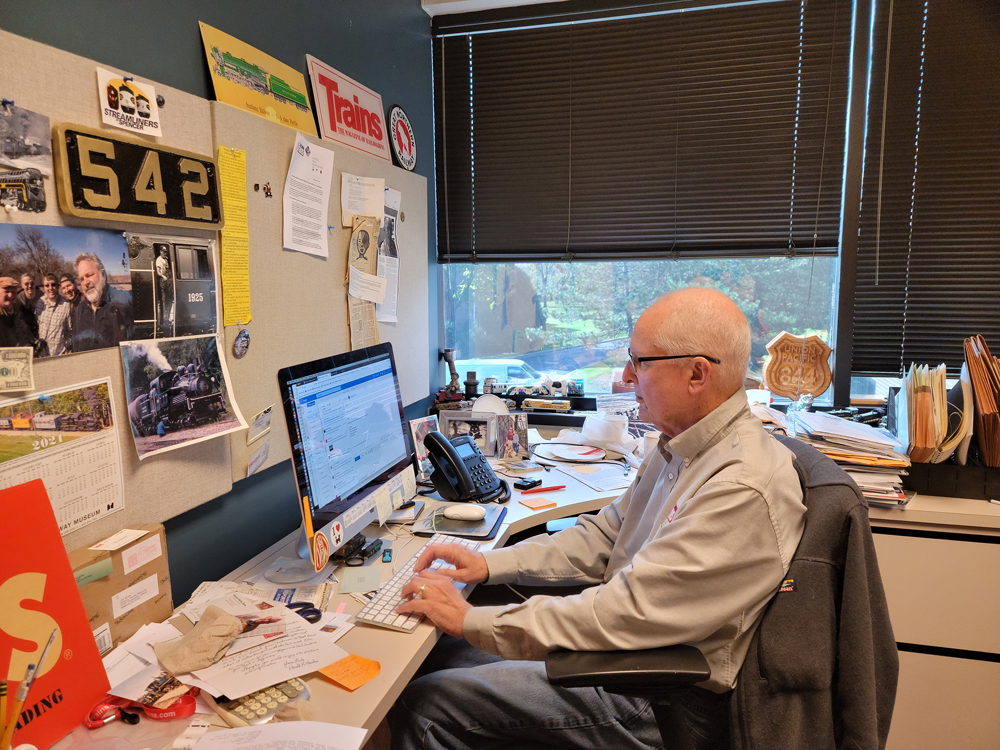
{"points": [[642, 672]]}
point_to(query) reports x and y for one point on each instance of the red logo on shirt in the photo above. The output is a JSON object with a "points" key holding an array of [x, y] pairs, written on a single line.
{"points": [[672, 514]]}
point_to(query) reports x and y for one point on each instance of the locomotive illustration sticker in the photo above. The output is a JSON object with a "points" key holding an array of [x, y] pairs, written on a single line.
{"points": [[178, 393], [66, 438], [128, 104]]}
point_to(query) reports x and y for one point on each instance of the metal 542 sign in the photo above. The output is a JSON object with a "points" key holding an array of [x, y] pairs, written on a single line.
{"points": [[100, 176]]}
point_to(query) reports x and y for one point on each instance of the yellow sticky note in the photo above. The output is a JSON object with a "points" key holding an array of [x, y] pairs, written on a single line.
{"points": [[351, 672], [235, 246], [584, 469], [537, 503]]}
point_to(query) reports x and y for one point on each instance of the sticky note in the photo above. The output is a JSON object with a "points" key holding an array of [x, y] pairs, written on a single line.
{"points": [[351, 672], [537, 503], [585, 469]]}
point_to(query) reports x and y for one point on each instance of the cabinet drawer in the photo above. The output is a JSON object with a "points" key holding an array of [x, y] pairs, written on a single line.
{"points": [[945, 703], [942, 592]]}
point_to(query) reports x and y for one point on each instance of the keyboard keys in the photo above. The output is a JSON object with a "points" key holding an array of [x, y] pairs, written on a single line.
{"points": [[380, 610]]}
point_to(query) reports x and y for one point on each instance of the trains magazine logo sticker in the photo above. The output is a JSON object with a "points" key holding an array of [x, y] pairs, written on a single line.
{"points": [[128, 104]]}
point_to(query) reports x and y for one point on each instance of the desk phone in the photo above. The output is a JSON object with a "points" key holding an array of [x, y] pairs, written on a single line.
{"points": [[461, 471]]}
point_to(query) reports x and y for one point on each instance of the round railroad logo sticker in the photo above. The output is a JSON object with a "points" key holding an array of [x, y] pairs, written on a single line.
{"points": [[404, 147], [321, 551]]}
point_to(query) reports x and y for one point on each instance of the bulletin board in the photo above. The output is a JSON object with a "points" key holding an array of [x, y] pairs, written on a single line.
{"points": [[299, 302]]}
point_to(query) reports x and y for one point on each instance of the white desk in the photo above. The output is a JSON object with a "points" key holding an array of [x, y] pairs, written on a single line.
{"points": [[401, 654]]}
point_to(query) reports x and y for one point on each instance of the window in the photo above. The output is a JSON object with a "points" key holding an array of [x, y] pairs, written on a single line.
{"points": [[586, 168], [574, 320], [192, 262]]}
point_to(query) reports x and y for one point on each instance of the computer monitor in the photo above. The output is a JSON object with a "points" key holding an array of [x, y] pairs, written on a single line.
{"points": [[348, 434]]}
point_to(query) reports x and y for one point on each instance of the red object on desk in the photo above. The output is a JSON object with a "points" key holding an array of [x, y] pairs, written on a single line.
{"points": [[41, 594], [543, 489]]}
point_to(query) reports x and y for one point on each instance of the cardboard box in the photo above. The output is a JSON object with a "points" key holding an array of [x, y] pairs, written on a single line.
{"points": [[125, 583]]}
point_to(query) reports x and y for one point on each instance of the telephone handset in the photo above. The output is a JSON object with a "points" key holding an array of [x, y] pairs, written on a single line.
{"points": [[461, 472]]}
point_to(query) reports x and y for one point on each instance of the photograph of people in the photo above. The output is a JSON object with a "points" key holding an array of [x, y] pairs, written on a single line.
{"points": [[47, 264], [104, 318]]}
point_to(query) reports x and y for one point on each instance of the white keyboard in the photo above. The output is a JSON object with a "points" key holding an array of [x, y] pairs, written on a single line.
{"points": [[380, 610]]}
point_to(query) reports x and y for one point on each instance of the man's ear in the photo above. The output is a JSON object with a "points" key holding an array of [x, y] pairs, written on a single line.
{"points": [[700, 375]]}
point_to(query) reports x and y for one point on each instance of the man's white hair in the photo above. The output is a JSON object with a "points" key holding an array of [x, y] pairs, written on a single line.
{"points": [[700, 326]]}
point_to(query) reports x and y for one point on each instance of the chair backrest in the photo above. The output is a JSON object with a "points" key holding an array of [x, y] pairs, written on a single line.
{"points": [[822, 666]]}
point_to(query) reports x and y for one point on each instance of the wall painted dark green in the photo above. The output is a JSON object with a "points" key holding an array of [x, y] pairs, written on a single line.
{"points": [[383, 44]]}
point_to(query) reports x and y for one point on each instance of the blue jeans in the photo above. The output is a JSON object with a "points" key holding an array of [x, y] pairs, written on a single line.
{"points": [[467, 698]]}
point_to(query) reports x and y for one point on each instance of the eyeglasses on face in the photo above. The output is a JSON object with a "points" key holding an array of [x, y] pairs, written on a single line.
{"points": [[636, 361]]}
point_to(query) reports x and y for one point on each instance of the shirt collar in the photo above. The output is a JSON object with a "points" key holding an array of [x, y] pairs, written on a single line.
{"points": [[707, 430]]}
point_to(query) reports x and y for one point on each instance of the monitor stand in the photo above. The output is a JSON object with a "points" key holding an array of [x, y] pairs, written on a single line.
{"points": [[294, 571]]}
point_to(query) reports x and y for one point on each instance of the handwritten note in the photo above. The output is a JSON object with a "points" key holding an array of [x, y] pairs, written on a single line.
{"points": [[351, 672], [301, 651], [235, 249]]}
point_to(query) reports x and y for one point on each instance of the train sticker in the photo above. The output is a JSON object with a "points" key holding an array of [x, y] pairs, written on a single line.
{"points": [[128, 104]]}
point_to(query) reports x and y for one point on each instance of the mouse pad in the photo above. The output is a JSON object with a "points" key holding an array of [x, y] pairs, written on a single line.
{"points": [[485, 528]]}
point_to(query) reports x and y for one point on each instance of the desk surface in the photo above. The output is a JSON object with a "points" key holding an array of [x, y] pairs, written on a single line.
{"points": [[401, 654], [948, 514]]}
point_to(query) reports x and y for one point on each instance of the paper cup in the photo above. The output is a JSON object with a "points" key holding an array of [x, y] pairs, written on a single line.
{"points": [[649, 441]]}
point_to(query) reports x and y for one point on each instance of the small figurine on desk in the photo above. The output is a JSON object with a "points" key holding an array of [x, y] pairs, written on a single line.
{"points": [[451, 395]]}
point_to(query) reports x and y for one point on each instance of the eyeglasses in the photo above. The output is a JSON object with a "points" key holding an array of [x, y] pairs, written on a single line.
{"points": [[636, 361]]}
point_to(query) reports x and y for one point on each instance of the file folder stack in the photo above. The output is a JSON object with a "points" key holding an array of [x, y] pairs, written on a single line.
{"points": [[984, 371], [872, 457], [933, 422]]}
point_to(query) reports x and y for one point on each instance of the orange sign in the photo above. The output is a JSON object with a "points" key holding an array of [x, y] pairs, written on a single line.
{"points": [[38, 594]]}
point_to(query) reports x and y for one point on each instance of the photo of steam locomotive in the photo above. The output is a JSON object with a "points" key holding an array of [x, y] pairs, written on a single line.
{"points": [[181, 398]]}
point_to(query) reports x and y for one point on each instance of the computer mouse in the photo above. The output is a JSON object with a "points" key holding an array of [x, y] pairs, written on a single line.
{"points": [[465, 512]]}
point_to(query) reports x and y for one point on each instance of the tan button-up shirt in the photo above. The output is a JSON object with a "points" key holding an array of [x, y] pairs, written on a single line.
{"points": [[691, 553]]}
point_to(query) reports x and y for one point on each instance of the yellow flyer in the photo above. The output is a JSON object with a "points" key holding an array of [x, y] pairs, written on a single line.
{"points": [[248, 79]]}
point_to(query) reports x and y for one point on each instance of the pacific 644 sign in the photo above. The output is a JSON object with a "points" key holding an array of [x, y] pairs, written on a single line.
{"points": [[100, 176]]}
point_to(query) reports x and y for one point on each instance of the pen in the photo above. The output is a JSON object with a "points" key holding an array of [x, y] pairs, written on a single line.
{"points": [[543, 489]]}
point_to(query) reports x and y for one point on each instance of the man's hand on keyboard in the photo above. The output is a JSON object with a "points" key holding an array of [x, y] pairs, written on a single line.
{"points": [[470, 566], [432, 593]]}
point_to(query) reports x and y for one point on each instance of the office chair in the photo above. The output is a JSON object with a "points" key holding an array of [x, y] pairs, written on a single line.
{"points": [[822, 666]]}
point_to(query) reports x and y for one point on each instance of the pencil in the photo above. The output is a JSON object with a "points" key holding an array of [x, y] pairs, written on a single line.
{"points": [[533, 490], [22, 694], [3, 706]]}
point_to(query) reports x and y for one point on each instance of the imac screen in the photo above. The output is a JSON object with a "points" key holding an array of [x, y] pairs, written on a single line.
{"points": [[348, 434]]}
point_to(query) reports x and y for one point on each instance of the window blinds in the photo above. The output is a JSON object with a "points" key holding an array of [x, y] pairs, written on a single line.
{"points": [[718, 131], [929, 243]]}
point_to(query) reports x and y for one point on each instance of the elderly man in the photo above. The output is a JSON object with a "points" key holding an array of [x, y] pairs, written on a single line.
{"points": [[691, 553], [52, 313], [15, 326], [104, 317]]}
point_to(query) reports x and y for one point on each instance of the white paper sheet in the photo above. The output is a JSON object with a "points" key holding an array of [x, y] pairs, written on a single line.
{"points": [[361, 196], [303, 650], [306, 199], [365, 286], [287, 735]]}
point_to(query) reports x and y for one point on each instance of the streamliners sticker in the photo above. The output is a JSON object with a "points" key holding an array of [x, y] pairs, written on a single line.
{"points": [[128, 104]]}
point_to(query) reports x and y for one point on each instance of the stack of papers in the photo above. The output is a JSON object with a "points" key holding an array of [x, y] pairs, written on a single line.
{"points": [[871, 456], [293, 648], [984, 371]]}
